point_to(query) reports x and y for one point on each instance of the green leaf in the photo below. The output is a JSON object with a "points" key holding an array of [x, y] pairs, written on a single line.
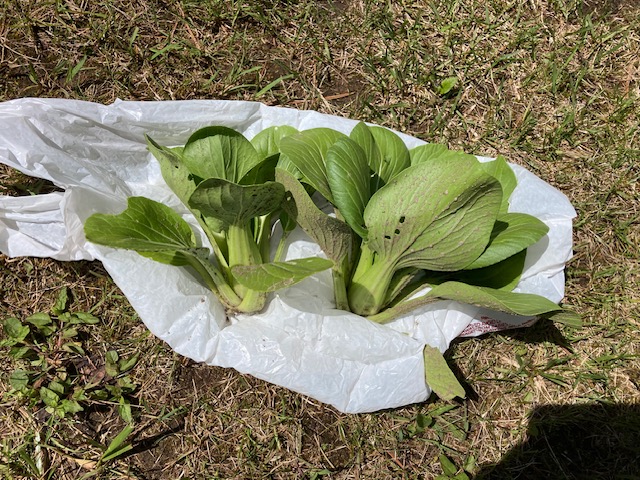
{"points": [[111, 363], [39, 320], [272, 84], [113, 390], [234, 204], [269, 277], [19, 379], [124, 409], [99, 394], [469, 464], [57, 387], [117, 446], [500, 169], [284, 163], [436, 216], [493, 299], [267, 145], [174, 172], [71, 406], [69, 332], [34, 466], [73, 347], [307, 152], [565, 317], [287, 222], [526, 304], [126, 384], [83, 318], [439, 376], [422, 422], [267, 142], [80, 393], [62, 302], [21, 352], [394, 155], [511, 234], [49, 397], [127, 364], [404, 282], [219, 152], [504, 275], [348, 177], [7, 342], [177, 259], [361, 134], [434, 151], [262, 172], [333, 236], [424, 153], [447, 85], [15, 329], [448, 467], [145, 226]]}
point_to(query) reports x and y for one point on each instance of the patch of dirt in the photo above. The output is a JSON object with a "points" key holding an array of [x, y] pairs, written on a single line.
{"points": [[321, 435], [157, 451], [604, 8], [192, 378]]}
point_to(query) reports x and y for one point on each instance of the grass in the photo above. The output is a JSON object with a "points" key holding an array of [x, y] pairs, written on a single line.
{"points": [[553, 85]]}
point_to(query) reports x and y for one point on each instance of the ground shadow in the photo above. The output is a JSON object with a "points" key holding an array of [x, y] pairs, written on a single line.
{"points": [[543, 331], [594, 441]]}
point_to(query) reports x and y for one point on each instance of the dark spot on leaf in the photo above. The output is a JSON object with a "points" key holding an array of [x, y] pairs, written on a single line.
{"points": [[397, 232], [388, 237], [402, 219]]}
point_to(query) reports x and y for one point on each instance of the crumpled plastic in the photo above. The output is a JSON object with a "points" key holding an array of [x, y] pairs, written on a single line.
{"points": [[97, 154]]}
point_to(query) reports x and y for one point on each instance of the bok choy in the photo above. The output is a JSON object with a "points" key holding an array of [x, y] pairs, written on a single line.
{"points": [[410, 227], [227, 183]]}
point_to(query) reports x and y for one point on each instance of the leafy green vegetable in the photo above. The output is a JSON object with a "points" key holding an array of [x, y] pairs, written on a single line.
{"points": [[267, 142], [438, 375], [500, 169], [404, 221], [145, 225], [409, 219], [307, 151], [231, 203], [437, 215], [269, 277], [511, 234], [394, 155], [226, 181], [351, 193], [219, 152], [332, 235]]}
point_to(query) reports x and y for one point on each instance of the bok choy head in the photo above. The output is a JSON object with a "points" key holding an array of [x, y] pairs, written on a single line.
{"points": [[409, 219], [227, 183]]}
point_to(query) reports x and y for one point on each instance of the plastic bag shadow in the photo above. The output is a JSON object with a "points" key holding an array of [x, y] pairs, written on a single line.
{"points": [[594, 441]]}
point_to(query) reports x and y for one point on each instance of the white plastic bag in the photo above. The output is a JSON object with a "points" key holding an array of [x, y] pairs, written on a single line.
{"points": [[98, 154]]}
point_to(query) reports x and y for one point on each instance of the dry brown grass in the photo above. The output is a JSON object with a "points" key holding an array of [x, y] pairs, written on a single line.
{"points": [[553, 85]]}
